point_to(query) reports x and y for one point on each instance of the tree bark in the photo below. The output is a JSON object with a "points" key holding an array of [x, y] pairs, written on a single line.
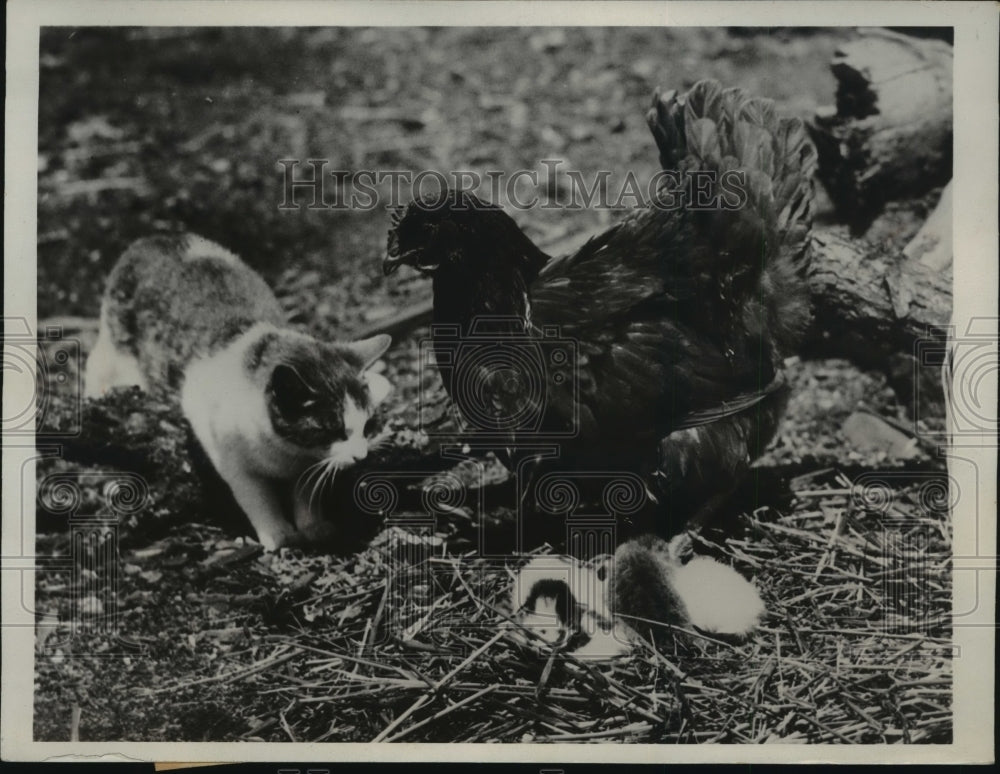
{"points": [[869, 303], [879, 308]]}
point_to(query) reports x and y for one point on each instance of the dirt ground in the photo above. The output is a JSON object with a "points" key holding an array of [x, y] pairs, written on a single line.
{"points": [[143, 130]]}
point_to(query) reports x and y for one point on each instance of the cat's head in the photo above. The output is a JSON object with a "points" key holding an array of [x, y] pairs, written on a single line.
{"points": [[320, 397]]}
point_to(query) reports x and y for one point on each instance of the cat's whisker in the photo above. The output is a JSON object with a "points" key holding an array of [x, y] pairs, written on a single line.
{"points": [[323, 480], [332, 474], [306, 479], [302, 486], [380, 441], [334, 470], [304, 482], [317, 483], [306, 474]]}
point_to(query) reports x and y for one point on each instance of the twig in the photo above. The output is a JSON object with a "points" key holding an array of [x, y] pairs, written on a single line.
{"points": [[437, 716], [74, 723]]}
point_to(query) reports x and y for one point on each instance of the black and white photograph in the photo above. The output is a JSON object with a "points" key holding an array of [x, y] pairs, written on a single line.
{"points": [[442, 379]]}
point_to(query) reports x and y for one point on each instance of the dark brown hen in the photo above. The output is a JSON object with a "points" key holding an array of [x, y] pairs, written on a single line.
{"points": [[656, 348]]}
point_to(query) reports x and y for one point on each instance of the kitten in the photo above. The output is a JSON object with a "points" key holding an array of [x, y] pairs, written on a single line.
{"points": [[186, 319], [595, 613]]}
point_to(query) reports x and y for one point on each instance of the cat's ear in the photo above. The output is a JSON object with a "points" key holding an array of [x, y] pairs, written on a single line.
{"points": [[370, 350], [378, 387], [290, 393]]}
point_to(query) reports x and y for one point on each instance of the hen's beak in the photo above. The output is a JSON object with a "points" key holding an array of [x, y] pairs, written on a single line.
{"points": [[390, 263]]}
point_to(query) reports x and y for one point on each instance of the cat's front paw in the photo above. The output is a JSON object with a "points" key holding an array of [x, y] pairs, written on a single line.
{"points": [[273, 541], [315, 534], [318, 533]]}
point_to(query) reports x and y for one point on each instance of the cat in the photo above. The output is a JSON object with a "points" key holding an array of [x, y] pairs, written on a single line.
{"points": [[186, 319]]}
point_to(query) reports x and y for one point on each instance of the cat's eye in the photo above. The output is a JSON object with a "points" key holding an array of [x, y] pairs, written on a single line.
{"points": [[372, 426], [291, 393]]}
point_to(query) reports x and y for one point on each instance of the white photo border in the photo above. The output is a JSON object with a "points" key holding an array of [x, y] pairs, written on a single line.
{"points": [[975, 264]]}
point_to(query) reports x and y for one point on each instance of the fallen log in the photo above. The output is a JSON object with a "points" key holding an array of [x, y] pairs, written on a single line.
{"points": [[888, 141], [889, 137], [869, 304], [879, 309]]}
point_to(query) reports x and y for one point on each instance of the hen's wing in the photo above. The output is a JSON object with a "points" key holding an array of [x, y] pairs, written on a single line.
{"points": [[645, 365], [680, 315]]}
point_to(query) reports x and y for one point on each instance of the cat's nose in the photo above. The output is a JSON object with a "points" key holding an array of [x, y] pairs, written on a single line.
{"points": [[359, 454]]}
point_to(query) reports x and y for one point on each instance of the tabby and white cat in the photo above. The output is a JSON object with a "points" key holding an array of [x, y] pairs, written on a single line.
{"points": [[272, 407]]}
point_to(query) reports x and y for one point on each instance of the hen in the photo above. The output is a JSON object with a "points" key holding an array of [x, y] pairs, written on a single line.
{"points": [[673, 324]]}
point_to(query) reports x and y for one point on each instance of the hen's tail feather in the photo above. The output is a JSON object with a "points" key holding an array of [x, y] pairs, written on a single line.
{"points": [[719, 130], [667, 131]]}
